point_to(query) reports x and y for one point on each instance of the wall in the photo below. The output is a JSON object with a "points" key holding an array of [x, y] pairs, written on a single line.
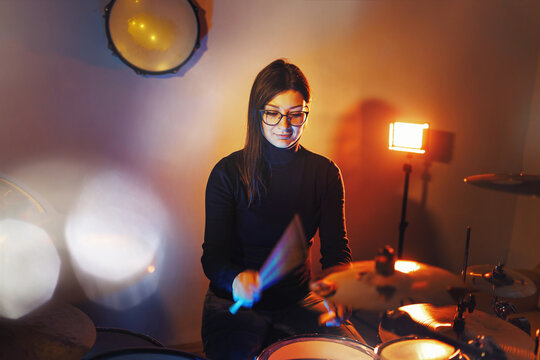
{"points": [[525, 245], [468, 68]]}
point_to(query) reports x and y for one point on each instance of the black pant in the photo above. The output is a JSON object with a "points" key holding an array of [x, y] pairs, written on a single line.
{"points": [[245, 334]]}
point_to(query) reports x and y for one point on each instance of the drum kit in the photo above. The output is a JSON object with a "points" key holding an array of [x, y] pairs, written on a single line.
{"points": [[429, 313], [418, 320], [424, 312]]}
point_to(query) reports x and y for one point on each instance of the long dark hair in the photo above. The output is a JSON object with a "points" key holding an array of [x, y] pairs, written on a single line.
{"points": [[278, 76]]}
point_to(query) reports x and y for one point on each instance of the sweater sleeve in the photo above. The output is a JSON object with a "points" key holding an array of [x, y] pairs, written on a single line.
{"points": [[332, 230], [219, 229]]}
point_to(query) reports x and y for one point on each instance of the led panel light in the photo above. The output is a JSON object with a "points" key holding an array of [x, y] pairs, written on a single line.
{"points": [[408, 137]]}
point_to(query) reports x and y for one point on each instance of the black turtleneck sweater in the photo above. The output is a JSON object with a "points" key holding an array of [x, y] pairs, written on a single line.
{"points": [[238, 238]]}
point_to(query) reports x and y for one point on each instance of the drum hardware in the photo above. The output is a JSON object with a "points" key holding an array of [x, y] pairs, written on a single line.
{"points": [[401, 323], [503, 308], [482, 333], [498, 276], [385, 261], [466, 301], [467, 304], [466, 256], [522, 323], [500, 282], [487, 347]]}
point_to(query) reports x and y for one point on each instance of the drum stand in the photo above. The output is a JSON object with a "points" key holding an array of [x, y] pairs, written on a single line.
{"points": [[480, 347], [464, 304], [504, 308]]}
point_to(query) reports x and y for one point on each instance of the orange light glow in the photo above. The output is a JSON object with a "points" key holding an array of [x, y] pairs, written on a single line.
{"points": [[151, 269], [408, 137], [406, 266], [420, 314]]}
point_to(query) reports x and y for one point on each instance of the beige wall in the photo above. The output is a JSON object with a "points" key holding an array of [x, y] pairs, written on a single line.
{"points": [[467, 67], [524, 250]]}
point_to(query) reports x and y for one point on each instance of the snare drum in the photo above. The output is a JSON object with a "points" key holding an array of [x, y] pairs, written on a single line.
{"points": [[417, 349], [317, 347]]}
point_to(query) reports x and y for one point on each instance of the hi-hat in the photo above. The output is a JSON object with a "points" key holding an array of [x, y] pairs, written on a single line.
{"points": [[52, 332], [514, 342], [360, 286], [513, 183], [500, 282]]}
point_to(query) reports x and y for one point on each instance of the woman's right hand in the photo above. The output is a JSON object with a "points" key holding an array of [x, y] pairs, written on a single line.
{"points": [[246, 287]]}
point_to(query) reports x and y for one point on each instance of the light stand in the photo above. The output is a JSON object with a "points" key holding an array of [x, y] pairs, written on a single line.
{"points": [[407, 137], [407, 167]]}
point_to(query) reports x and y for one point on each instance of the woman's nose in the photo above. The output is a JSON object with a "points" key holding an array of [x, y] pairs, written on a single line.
{"points": [[284, 122]]}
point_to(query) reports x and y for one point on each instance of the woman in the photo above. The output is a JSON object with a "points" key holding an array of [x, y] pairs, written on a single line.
{"points": [[251, 197]]}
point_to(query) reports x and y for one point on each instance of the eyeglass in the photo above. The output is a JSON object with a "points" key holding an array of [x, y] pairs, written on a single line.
{"points": [[295, 118]]}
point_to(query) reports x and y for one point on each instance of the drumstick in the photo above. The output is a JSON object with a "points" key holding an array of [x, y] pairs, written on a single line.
{"points": [[289, 253]]}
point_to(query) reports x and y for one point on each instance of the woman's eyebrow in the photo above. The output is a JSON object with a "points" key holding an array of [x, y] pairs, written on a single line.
{"points": [[292, 107]]}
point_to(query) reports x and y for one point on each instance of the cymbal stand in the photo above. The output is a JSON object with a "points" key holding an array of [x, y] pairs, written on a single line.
{"points": [[466, 258], [469, 303], [464, 304], [503, 308], [498, 278]]}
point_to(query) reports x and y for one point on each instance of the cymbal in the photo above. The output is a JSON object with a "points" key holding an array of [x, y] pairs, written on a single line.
{"points": [[358, 285], [515, 343], [51, 332], [500, 282], [513, 183]]}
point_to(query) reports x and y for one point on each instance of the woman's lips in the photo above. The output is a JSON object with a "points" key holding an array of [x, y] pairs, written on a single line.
{"points": [[283, 136]]}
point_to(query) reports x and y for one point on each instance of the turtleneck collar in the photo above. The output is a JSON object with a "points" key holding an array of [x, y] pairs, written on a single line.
{"points": [[278, 156]]}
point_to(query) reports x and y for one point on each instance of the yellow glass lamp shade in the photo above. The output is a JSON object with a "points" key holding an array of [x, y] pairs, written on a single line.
{"points": [[152, 36]]}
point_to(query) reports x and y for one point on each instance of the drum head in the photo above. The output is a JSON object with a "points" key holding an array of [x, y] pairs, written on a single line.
{"points": [[417, 349], [152, 36], [317, 347]]}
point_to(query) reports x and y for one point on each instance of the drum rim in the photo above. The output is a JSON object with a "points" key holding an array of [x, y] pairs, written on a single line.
{"points": [[129, 332], [141, 71], [455, 355], [269, 350], [146, 350]]}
